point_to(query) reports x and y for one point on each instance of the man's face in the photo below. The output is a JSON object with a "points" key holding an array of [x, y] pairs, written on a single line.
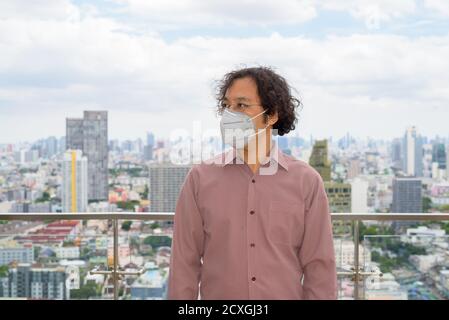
{"points": [[242, 96]]}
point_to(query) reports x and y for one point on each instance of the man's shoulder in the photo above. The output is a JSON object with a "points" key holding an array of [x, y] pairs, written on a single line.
{"points": [[302, 168], [212, 163]]}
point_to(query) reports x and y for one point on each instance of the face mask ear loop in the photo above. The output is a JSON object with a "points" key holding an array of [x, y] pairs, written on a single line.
{"points": [[259, 131], [258, 114]]}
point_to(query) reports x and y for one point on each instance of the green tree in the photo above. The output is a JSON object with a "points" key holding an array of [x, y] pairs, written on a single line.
{"points": [[126, 225], [4, 271], [45, 197], [426, 204], [85, 292], [154, 225], [127, 205], [68, 244], [144, 194], [158, 241]]}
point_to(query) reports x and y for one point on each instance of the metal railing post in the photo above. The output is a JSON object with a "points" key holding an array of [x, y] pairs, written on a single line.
{"points": [[356, 260], [115, 271]]}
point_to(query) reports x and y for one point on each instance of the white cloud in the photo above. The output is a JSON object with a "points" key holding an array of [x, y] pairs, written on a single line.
{"points": [[439, 6], [372, 12], [54, 68], [172, 13], [38, 9]]}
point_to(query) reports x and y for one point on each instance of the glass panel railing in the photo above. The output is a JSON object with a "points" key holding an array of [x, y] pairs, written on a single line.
{"points": [[344, 258], [74, 259], [144, 257], [413, 264], [55, 259]]}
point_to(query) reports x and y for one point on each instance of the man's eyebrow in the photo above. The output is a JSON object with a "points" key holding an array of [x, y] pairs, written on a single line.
{"points": [[238, 99]]}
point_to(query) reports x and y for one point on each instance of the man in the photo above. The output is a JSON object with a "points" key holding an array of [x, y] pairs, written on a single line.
{"points": [[240, 233]]}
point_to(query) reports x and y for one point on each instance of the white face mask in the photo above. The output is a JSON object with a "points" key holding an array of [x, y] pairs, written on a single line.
{"points": [[237, 128]]}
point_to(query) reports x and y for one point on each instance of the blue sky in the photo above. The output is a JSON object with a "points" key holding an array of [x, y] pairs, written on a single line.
{"points": [[370, 68]]}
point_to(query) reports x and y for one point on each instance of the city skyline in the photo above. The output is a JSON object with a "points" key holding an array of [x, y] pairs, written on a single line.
{"points": [[333, 139]]}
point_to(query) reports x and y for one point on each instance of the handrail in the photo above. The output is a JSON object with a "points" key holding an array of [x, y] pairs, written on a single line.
{"points": [[170, 216]]}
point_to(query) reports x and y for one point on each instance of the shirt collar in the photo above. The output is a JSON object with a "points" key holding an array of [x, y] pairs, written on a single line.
{"points": [[275, 155]]}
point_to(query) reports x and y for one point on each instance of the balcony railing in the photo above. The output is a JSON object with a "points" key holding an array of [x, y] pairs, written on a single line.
{"points": [[356, 272]]}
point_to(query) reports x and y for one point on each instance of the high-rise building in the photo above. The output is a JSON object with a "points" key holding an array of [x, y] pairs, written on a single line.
{"points": [[407, 198], [447, 162], [61, 144], [439, 155], [148, 148], [25, 281], [407, 195], [90, 135], [396, 153], [150, 139], [74, 182], [339, 196], [359, 195], [354, 168], [319, 159], [427, 160], [24, 156], [26, 206], [165, 184], [412, 148], [338, 193], [11, 251], [51, 147], [114, 145]]}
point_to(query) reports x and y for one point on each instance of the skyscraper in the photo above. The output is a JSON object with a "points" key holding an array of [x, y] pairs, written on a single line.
{"points": [[51, 147], [354, 168], [319, 159], [74, 182], [439, 155], [148, 148], [412, 148], [407, 198], [407, 195], [90, 134], [338, 193], [150, 139], [359, 195], [339, 196], [25, 281], [447, 162], [396, 153], [165, 183]]}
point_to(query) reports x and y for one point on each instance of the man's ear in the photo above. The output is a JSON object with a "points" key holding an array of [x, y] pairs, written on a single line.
{"points": [[273, 119]]}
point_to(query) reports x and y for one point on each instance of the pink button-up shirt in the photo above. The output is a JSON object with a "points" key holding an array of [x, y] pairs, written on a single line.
{"points": [[244, 235]]}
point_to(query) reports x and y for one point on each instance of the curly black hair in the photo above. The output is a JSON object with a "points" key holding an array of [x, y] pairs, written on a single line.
{"points": [[274, 93]]}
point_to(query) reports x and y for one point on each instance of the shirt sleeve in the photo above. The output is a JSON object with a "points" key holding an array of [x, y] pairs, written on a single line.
{"points": [[316, 253], [187, 245]]}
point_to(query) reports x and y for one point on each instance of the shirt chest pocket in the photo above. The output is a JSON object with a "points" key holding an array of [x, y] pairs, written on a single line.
{"points": [[285, 222]]}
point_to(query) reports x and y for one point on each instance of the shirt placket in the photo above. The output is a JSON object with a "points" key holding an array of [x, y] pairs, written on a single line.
{"points": [[252, 216]]}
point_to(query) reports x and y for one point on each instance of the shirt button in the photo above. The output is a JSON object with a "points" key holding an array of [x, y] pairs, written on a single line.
{"points": [[253, 278], [253, 181], [251, 212], [253, 245]]}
